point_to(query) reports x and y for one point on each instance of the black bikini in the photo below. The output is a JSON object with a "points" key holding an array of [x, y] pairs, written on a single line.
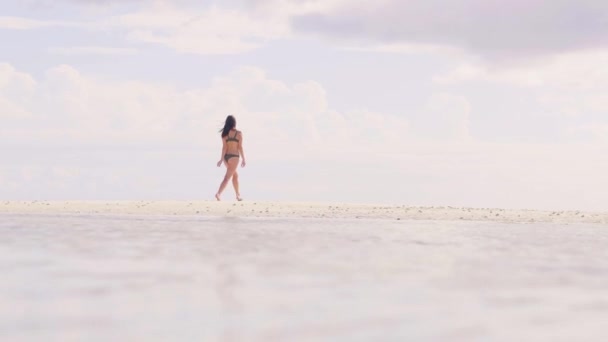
{"points": [[227, 156]]}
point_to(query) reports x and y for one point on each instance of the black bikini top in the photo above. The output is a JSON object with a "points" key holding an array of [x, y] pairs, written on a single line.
{"points": [[234, 137]]}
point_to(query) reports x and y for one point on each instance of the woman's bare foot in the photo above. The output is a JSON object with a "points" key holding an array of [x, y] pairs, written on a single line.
{"points": [[238, 197], [217, 197]]}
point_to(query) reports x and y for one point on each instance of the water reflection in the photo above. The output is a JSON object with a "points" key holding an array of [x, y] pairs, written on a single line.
{"points": [[234, 279]]}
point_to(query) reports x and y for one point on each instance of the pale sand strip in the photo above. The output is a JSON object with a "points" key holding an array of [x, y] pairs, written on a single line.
{"points": [[298, 210]]}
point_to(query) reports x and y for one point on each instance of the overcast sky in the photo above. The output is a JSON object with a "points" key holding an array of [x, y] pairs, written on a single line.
{"points": [[420, 102]]}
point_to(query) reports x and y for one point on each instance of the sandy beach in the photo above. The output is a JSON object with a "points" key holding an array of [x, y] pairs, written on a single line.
{"points": [[299, 210]]}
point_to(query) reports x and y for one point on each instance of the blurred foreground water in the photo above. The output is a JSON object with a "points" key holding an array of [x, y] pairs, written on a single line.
{"points": [[127, 278]]}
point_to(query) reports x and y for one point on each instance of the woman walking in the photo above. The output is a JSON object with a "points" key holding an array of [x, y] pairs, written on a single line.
{"points": [[232, 151]]}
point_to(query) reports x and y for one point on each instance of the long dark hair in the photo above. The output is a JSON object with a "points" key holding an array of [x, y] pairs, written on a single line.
{"points": [[228, 126]]}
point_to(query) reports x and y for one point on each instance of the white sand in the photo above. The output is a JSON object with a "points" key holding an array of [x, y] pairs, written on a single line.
{"points": [[298, 210]]}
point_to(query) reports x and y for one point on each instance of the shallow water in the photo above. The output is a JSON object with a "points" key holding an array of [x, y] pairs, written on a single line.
{"points": [[100, 278]]}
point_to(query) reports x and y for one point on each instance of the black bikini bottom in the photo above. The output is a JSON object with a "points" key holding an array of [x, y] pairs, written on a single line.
{"points": [[229, 155]]}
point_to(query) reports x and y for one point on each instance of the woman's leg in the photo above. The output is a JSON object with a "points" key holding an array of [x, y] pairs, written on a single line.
{"points": [[235, 184], [231, 166]]}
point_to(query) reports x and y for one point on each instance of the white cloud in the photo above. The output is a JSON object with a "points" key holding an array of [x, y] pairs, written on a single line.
{"points": [[212, 30], [92, 50], [584, 70], [569, 84], [477, 72], [17, 23], [67, 107], [9, 109], [16, 89], [21, 23], [11, 78]]}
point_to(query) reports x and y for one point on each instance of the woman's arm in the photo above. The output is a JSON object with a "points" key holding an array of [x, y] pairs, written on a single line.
{"points": [[241, 152], [219, 163]]}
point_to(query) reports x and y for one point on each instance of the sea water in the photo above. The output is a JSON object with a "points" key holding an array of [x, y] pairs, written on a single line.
{"points": [[160, 278]]}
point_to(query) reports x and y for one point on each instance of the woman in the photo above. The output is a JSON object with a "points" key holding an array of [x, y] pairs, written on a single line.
{"points": [[232, 150]]}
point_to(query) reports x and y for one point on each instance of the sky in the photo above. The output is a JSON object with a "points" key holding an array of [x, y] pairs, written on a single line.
{"points": [[421, 102]]}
